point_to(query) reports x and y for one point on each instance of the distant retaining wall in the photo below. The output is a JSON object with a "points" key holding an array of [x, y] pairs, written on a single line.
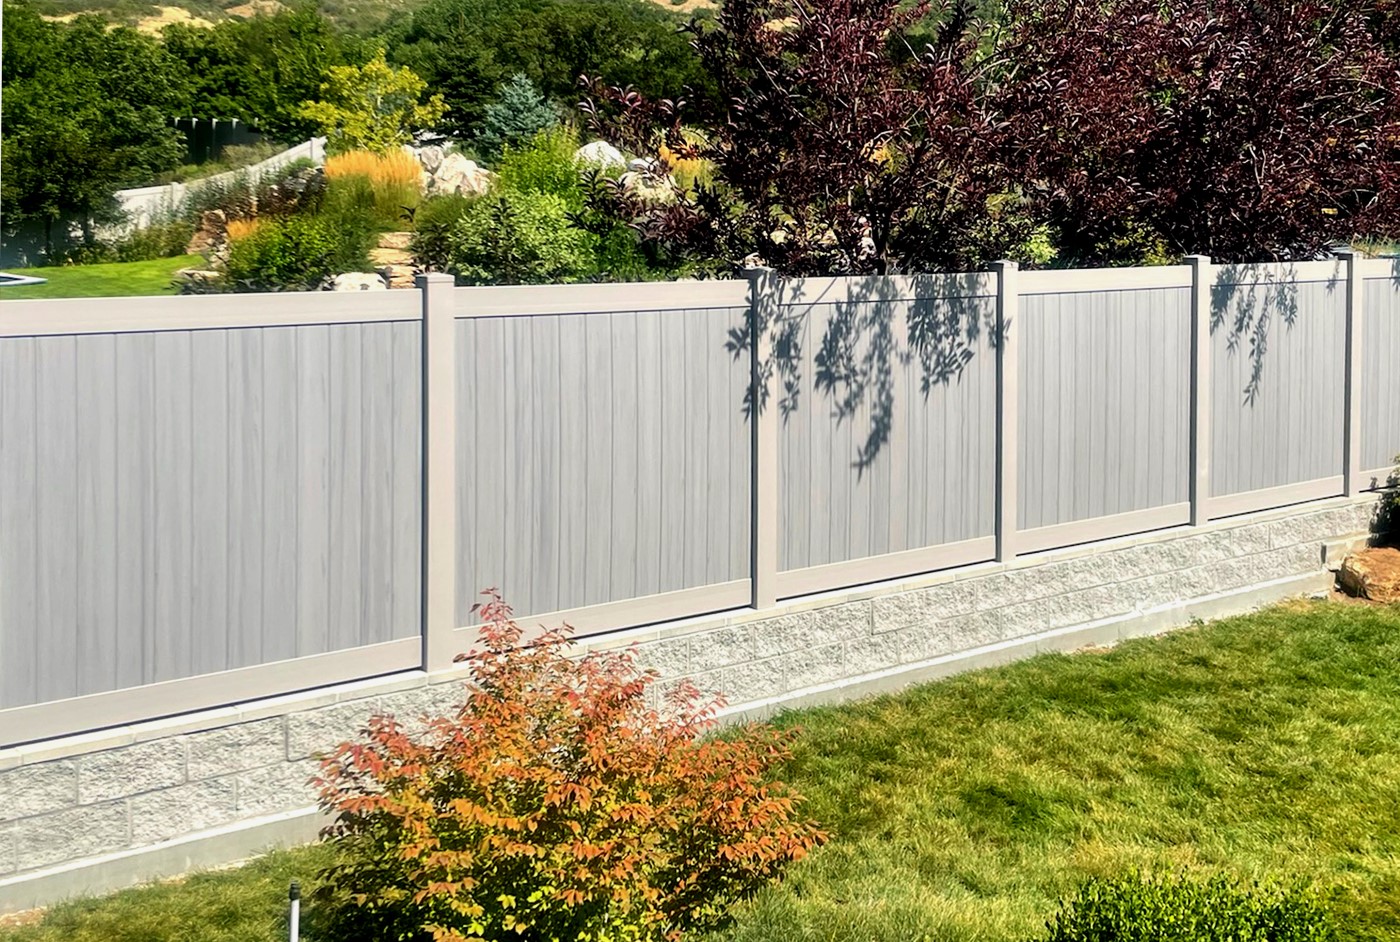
{"points": [[92, 812], [146, 204]]}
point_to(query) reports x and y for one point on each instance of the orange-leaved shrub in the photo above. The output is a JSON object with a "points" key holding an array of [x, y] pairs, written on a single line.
{"points": [[556, 805]]}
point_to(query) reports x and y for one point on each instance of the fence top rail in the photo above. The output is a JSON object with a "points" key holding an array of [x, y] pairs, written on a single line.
{"points": [[1380, 268], [845, 289], [527, 300], [1074, 280], [56, 316], [1332, 271]]}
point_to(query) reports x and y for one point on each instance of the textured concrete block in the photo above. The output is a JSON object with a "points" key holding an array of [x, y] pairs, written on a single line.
{"points": [[1155, 591], [72, 834], [792, 671], [1246, 540], [669, 658], [1265, 567], [1125, 564], [812, 666], [36, 789], [1291, 531], [235, 748], [803, 631], [132, 770], [999, 590], [1205, 549], [275, 789], [709, 685], [725, 646], [960, 634], [171, 812], [414, 708], [756, 680], [1027, 618], [7, 851], [877, 652], [321, 731], [894, 612]]}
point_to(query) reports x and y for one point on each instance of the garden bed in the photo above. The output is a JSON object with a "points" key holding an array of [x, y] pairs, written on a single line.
{"points": [[1262, 746]]}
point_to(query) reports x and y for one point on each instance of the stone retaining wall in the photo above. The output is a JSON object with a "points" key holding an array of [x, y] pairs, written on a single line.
{"points": [[95, 811]]}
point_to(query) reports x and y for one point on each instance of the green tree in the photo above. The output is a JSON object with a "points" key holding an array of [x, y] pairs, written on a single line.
{"points": [[468, 49], [372, 107], [86, 111], [518, 114], [261, 69]]}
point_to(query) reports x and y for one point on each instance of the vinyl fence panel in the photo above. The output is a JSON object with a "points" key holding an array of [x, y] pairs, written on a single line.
{"points": [[886, 423], [1279, 346], [1104, 409], [602, 457], [178, 503], [1380, 375]]}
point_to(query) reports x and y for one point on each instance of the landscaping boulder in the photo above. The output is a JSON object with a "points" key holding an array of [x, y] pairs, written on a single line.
{"points": [[457, 174], [358, 281], [199, 276], [600, 154], [430, 156], [211, 235], [1372, 574]]}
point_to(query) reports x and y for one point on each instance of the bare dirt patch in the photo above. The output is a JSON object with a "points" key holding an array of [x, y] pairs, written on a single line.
{"points": [[165, 16], [687, 6], [254, 7]]}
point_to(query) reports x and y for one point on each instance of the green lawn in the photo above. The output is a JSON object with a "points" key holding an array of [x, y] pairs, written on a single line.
{"points": [[110, 280], [1265, 746]]}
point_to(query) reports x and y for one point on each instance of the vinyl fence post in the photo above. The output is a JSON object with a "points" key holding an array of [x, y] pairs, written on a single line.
{"points": [[1008, 407], [765, 299], [1352, 483], [439, 470], [1201, 279]]}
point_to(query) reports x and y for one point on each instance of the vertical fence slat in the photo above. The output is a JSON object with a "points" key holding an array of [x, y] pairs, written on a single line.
{"points": [[439, 470], [1008, 379], [1351, 395], [764, 301], [1200, 388]]}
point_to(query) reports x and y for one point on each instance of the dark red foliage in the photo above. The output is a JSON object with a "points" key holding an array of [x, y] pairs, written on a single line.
{"points": [[840, 148], [1243, 130], [1131, 130]]}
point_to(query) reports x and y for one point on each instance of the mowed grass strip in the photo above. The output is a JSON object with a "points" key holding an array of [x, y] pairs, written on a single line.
{"points": [[1266, 746], [107, 280]]}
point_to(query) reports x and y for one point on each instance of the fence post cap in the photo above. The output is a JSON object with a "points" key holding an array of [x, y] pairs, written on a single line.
{"points": [[423, 279]]}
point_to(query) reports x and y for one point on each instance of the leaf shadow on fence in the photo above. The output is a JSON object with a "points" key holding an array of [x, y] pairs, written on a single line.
{"points": [[1250, 302], [864, 332]]}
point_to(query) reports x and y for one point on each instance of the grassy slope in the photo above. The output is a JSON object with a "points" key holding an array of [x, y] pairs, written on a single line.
{"points": [[115, 279], [1267, 745]]}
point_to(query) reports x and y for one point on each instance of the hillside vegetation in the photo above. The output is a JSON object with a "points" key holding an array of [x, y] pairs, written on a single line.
{"points": [[358, 15]]}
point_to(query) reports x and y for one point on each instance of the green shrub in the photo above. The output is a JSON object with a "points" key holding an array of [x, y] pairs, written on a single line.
{"points": [[1387, 522], [159, 240], [1136, 909], [544, 164], [506, 238], [299, 253], [433, 224], [275, 192]]}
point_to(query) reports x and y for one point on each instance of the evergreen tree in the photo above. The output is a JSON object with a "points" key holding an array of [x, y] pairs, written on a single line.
{"points": [[518, 114]]}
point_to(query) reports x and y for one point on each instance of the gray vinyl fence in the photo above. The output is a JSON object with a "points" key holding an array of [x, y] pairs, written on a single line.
{"points": [[208, 500]]}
